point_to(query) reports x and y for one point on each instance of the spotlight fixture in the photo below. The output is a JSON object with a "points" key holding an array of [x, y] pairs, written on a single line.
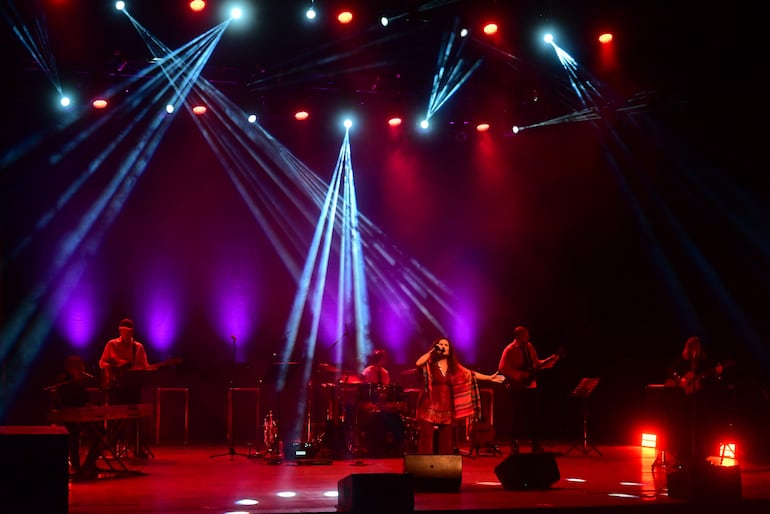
{"points": [[310, 14], [197, 5], [490, 29]]}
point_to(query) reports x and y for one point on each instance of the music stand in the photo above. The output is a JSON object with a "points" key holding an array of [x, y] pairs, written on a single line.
{"points": [[231, 450], [583, 390]]}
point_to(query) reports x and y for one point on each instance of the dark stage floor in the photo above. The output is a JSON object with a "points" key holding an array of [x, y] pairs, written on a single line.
{"points": [[187, 479]]}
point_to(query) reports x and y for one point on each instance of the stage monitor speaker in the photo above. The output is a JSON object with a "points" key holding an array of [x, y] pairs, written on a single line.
{"points": [[376, 493], [705, 482], [437, 473], [528, 471], [36, 477]]}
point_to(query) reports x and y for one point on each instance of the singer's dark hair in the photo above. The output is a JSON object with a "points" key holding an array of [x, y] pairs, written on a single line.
{"points": [[450, 357]]}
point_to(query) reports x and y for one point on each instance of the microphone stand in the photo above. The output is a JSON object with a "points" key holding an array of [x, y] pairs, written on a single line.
{"points": [[231, 431]]}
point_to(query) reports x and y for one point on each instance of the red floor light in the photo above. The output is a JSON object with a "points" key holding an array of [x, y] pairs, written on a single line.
{"points": [[649, 441]]}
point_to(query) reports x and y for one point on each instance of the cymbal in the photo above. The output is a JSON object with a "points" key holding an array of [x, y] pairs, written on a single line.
{"points": [[409, 371], [328, 367]]}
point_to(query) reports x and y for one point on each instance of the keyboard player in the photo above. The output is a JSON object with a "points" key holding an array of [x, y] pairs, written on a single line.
{"points": [[70, 390]]}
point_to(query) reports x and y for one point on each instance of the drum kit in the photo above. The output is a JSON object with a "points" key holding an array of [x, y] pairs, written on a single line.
{"points": [[352, 418]]}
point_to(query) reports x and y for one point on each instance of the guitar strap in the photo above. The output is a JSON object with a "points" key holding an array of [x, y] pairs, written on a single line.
{"points": [[527, 359]]}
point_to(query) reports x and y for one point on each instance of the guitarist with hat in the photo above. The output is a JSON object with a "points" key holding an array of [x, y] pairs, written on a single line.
{"points": [[519, 363], [120, 355]]}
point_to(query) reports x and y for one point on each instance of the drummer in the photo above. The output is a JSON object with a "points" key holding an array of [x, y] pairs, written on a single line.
{"points": [[375, 372]]}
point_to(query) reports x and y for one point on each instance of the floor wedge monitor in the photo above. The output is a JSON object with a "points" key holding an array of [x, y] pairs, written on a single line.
{"points": [[376, 493], [528, 471]]}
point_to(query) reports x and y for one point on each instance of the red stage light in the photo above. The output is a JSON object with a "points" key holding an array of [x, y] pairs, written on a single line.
{"points": [[345, 17], [197, 5], [99, 103], [301, 115], [482, 127], [199, 109], [394, 121], [605, 38], [490, 29]]}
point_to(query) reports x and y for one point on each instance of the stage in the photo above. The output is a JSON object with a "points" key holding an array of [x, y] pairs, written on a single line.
{"points": [[207, 478]]}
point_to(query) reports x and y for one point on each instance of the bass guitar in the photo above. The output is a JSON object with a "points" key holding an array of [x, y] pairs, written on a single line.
{"points": [[112, 376], [525, 378]]}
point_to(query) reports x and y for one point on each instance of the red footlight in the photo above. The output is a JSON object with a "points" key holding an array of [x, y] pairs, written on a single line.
{"points": [[301, 115], [199, 109], [99, 103], [394, 121]]}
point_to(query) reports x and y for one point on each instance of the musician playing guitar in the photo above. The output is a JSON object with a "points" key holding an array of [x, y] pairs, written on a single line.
{"points": [[703, 412], [519, 363], [121, 354], [694, 367]]}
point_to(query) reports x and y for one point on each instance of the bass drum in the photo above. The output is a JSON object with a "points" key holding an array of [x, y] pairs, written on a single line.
{"points": [[382, 434]]}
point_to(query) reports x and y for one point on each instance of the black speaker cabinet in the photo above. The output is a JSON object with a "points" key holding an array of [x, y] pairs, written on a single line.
{"points": [[528, 471], [705, 482], [366, 493], [36, 470], [438, 473]]}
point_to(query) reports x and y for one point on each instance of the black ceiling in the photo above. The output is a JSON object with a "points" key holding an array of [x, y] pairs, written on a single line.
{"points": [[274, 59]]}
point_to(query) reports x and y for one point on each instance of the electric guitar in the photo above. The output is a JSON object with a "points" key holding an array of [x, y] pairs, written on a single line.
{"points": [[111, 376], [525, 378]]}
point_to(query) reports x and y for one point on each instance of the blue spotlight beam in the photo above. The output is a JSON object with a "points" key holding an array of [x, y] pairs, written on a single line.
{"points": [[36, 43], [451, 71]]}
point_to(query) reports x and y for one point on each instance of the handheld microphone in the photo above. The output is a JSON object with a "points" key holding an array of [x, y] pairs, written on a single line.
{"points": [[437, 349]]}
